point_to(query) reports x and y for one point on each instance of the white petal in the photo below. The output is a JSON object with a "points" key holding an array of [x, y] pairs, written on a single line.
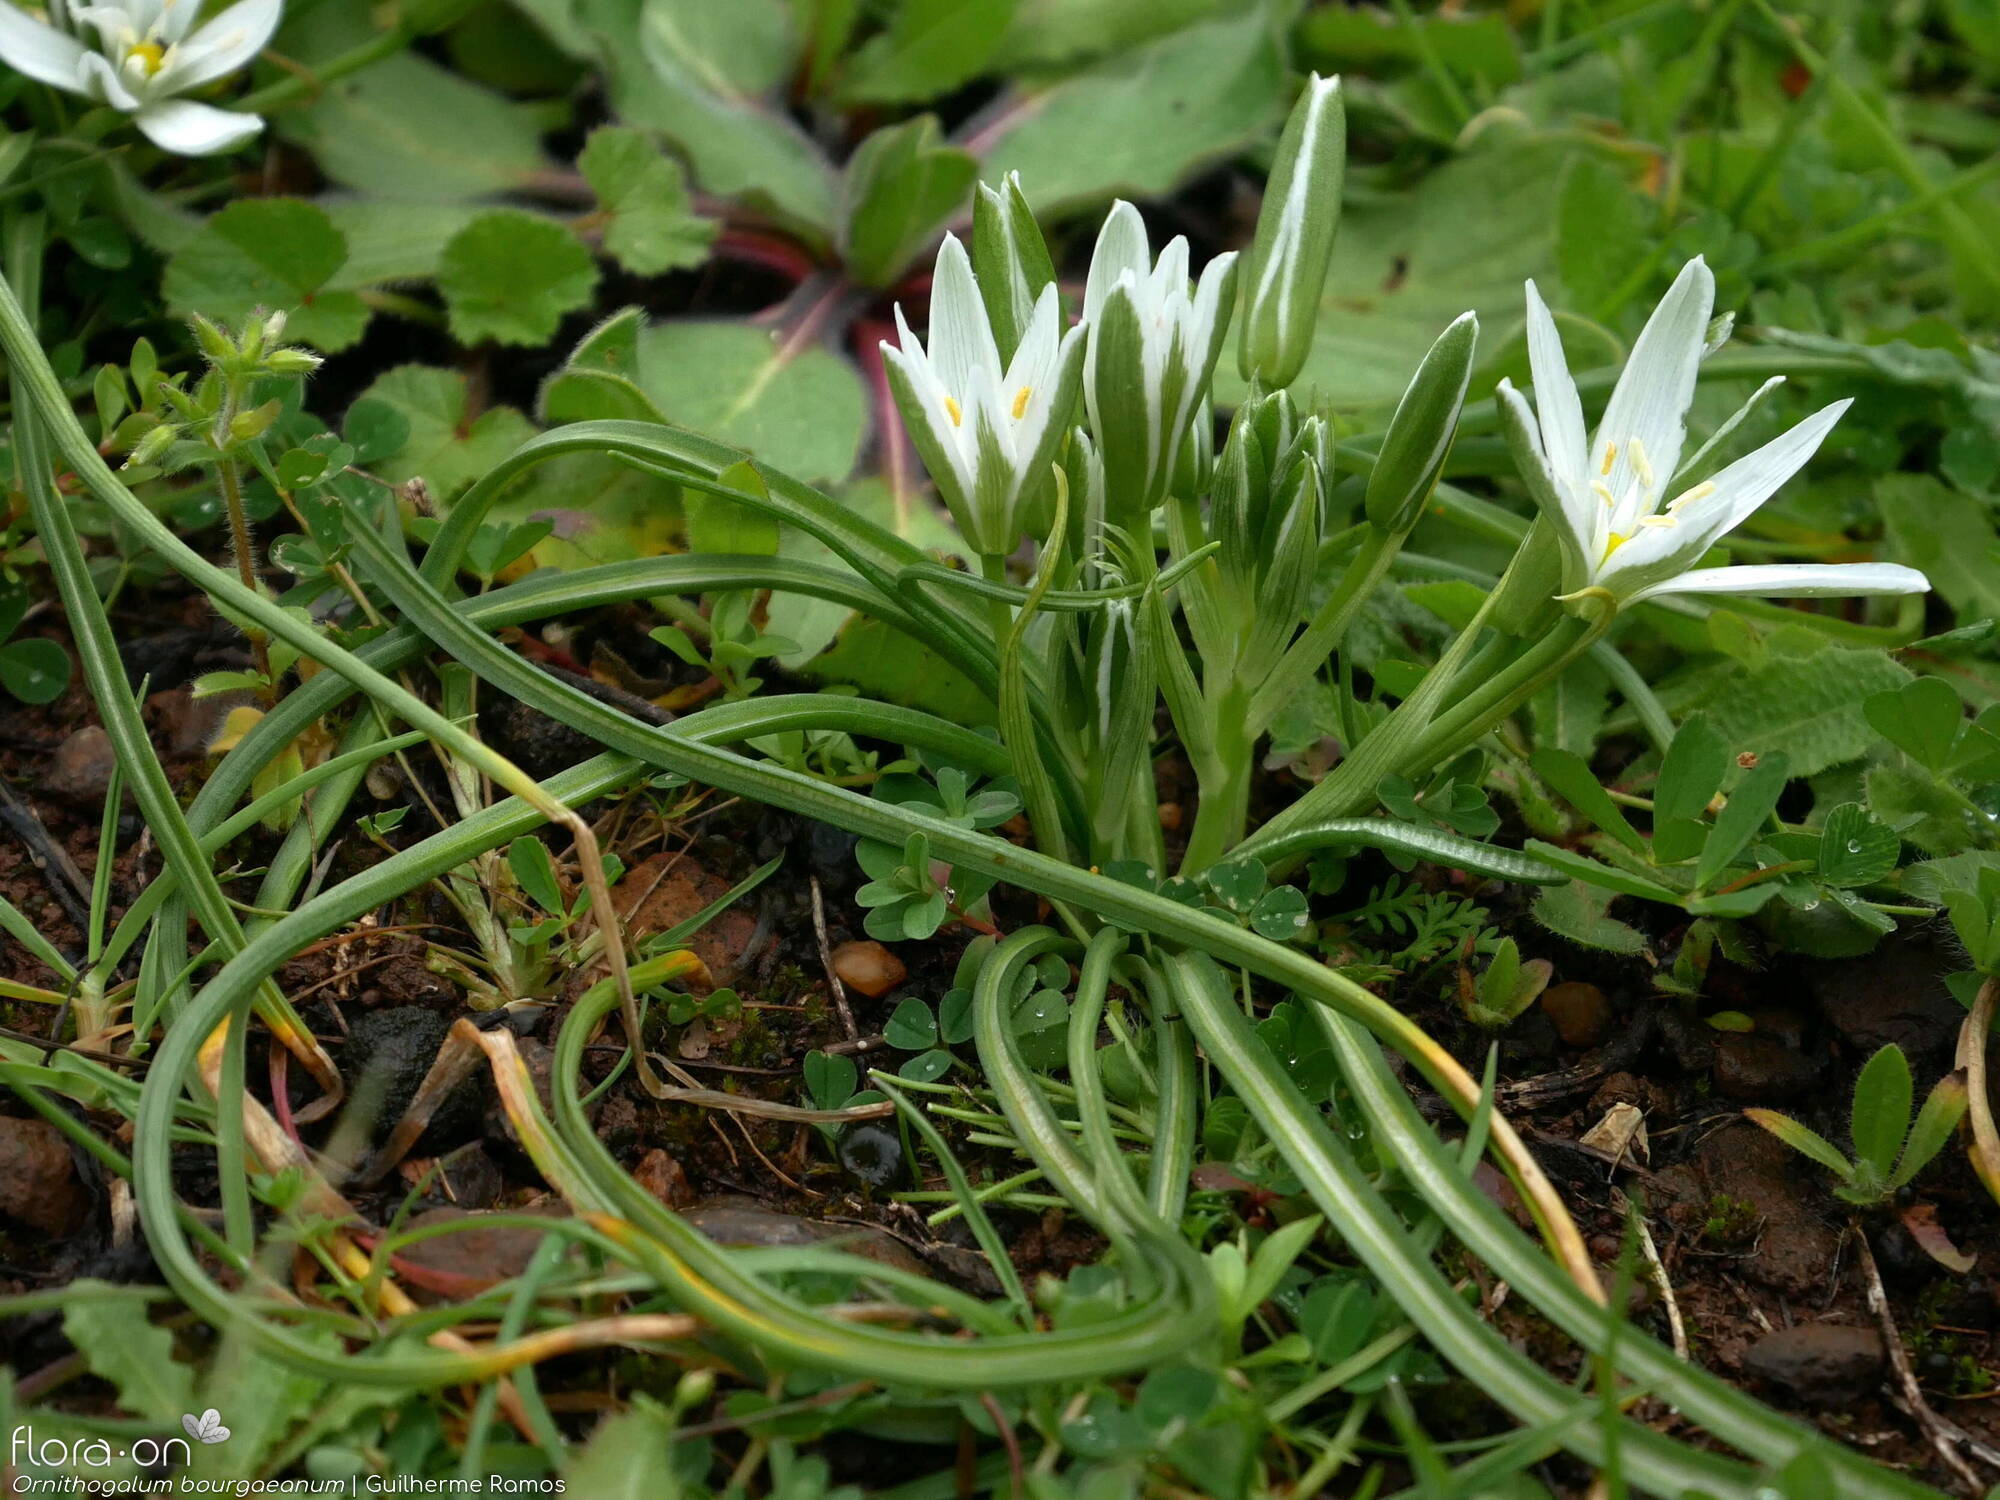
{"points": [[1121, 247], [190, 129], [1651, 399], [102, 81], [1169, 281], [1551, 496], [961, 342], [1755, 477], [1721, 434], [229, 42], [39, 50], [1796, 581], [169, 20], [950, 436], [1557, 407], [1035, 356]]}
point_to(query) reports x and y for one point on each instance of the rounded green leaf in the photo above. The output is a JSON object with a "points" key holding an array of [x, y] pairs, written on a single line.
{"points": [[510, 276]]}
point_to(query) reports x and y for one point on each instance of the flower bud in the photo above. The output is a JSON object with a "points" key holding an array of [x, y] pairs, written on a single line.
{"points": [[216, 346], [1420, 434], [292, 361], [1286, 270], [153, 447], [1011, 260], [253, 423]]}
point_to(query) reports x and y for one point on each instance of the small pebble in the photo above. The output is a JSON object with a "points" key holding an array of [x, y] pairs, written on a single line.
{"points": [[664, 1177], [1821, 1364], [868, 968], [80, 770], [1579, 1012], [38, 1181]]}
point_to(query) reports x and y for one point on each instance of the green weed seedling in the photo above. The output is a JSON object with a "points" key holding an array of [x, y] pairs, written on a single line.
{"points": [[1507, 987], [1889, 1150]]}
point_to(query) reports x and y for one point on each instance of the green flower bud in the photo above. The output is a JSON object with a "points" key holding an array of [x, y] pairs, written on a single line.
{"points": [[291, 361], [1011, 260], [246, 425], [152, 447], [216, 346], [1286, 271], [1420, 434]]}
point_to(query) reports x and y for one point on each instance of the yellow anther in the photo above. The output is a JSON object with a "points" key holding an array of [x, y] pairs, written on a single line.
{"points": [[1639, 464], [952, 409], [1021, 402], [1603, 492], [1687, 497], [1659, 521], [1610, 457], [151, 56]]}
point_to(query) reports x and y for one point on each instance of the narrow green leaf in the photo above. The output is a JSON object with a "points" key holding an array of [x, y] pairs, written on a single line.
{"points": [[1754, 800], [1943, 1109], [1802, 1139], [1881, 1112], [1691, 772], [1577, 784]]}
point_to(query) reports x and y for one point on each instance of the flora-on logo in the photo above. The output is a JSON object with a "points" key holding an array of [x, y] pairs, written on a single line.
{"points": [[206, 1428]]}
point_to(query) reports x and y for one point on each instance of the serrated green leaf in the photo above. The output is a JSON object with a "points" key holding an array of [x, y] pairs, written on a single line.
{"points": [[273, 255], [445, 442], [651, 224], [1581, 913], [626, 1455], [122, 1346], [1809, 707], [510, 276]]}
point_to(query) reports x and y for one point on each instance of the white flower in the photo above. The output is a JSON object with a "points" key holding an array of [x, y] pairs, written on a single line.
{"points": [[1152, 350], [1611, 498], [139, 55], [988, 435]]}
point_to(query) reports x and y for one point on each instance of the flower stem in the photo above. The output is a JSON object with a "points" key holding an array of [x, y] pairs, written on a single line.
{"points": [[242, 545]]}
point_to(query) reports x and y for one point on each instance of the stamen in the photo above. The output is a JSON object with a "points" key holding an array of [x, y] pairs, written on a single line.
{"points": [[1659, 520], [1687, 497], [952, 409], [1610, 457], [1603, 492], [1021, 401], [1639, 464]]}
